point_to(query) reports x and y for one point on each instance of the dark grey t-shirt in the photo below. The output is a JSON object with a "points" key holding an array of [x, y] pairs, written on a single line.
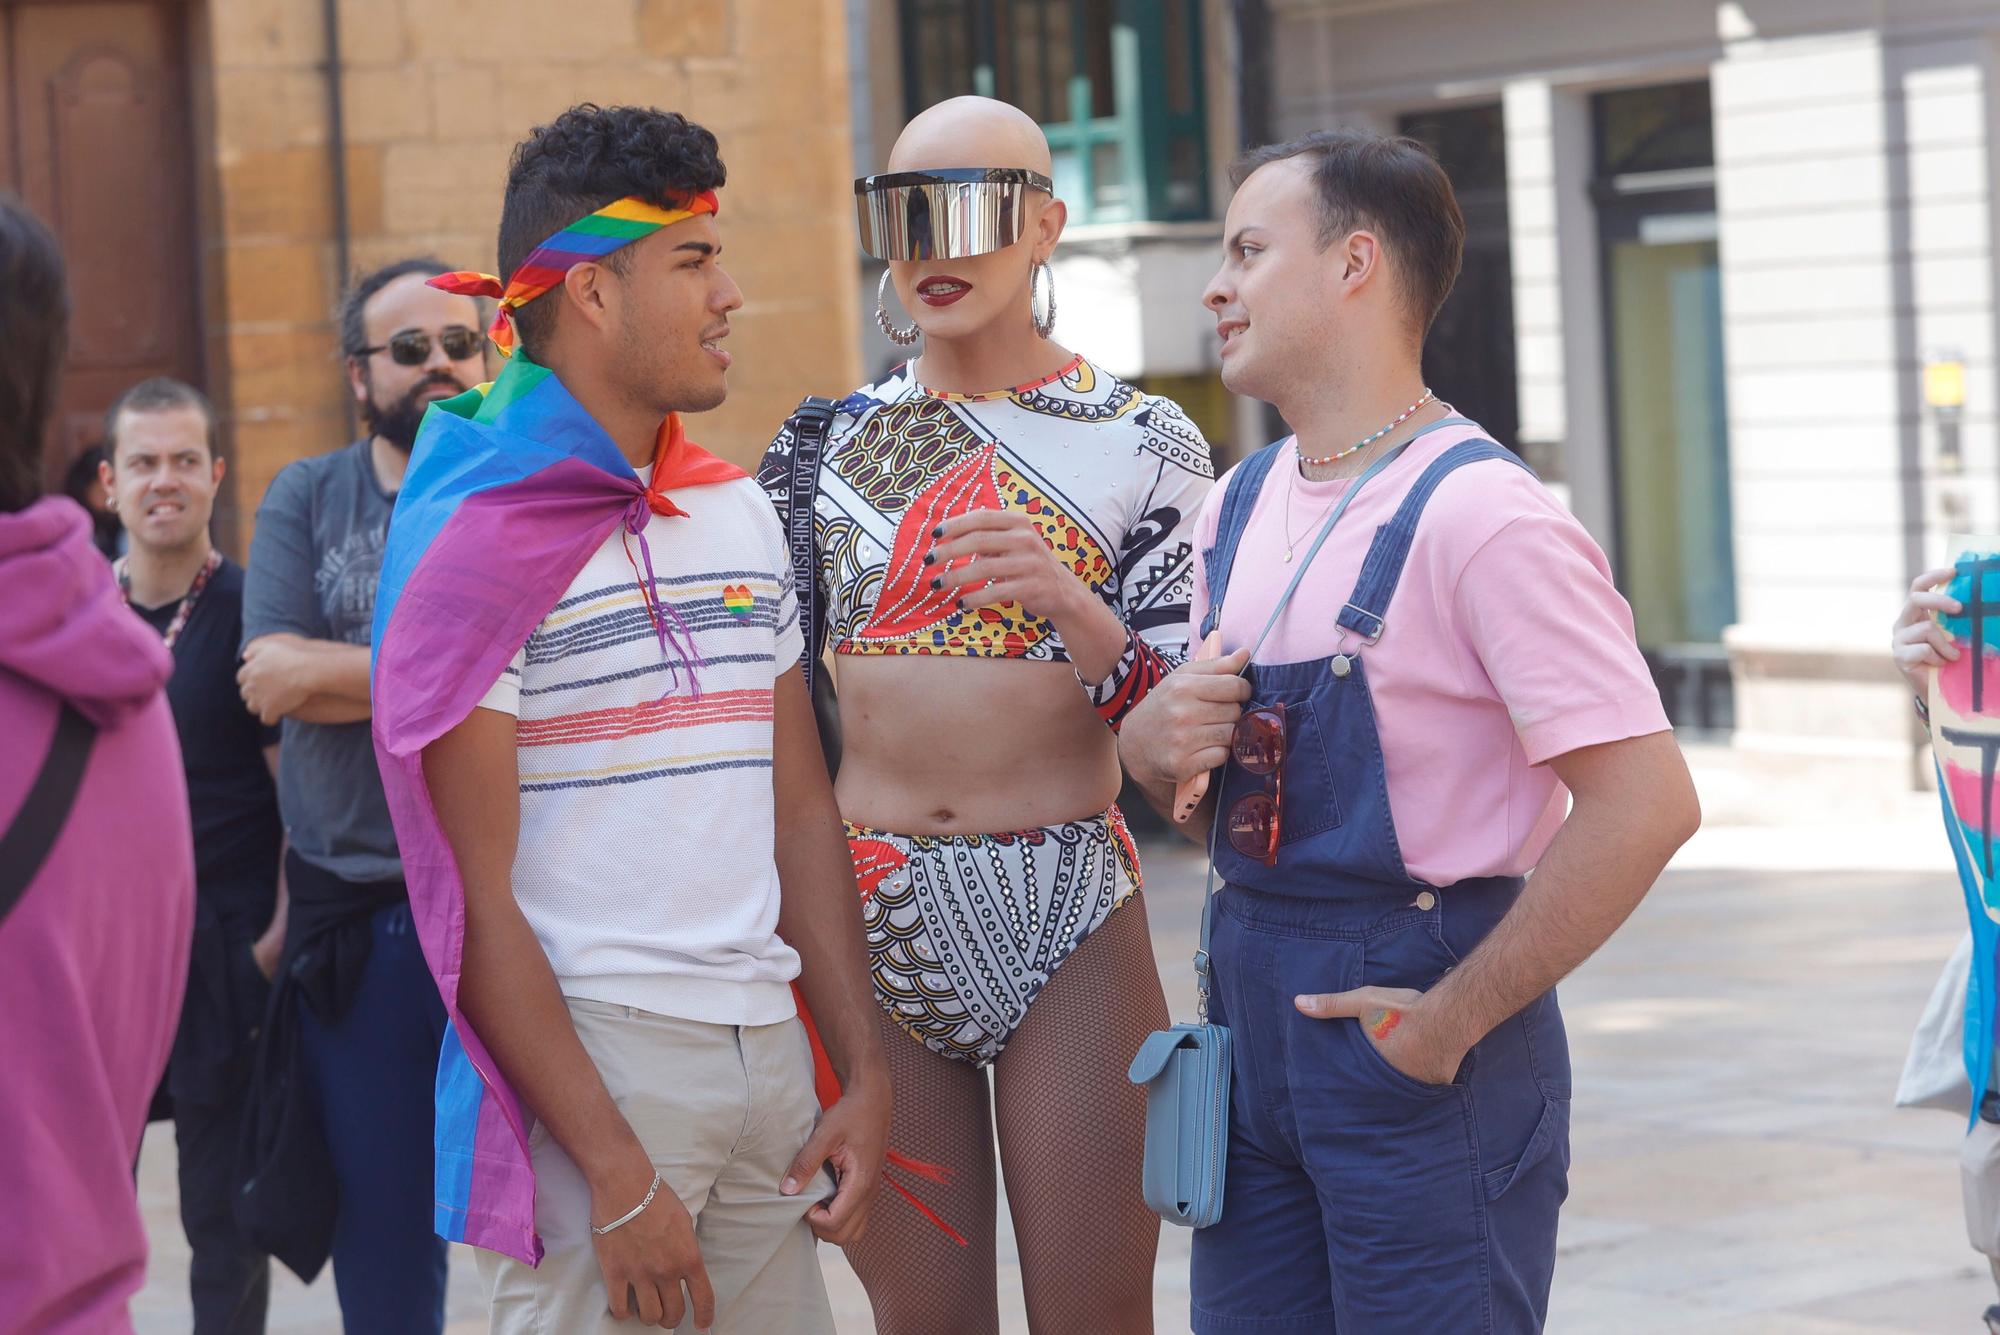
{"points": [[314, 563]]}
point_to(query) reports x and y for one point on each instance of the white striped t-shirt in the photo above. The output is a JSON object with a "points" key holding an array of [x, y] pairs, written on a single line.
{"points": [[645, 860]]}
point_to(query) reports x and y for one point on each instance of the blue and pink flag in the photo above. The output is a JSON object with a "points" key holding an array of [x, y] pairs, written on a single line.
{"points": [[1965, 738], [511, 487]]}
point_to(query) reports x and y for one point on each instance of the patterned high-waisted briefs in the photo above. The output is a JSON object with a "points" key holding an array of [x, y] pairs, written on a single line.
{"points": [[964, 930]]}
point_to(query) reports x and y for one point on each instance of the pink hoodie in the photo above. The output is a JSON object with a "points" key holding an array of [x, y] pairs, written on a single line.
{"points": [[93, 959]]}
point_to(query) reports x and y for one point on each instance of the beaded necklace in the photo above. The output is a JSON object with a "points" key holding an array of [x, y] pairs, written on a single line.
{"points": [[188, 599], [1430, 395]]}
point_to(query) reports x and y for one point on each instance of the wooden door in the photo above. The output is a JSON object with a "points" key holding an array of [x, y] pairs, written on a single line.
{"points": [[94, 136]]}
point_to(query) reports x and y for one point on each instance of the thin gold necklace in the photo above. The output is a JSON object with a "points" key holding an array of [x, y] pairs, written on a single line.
{"points": [[1291, 494]]}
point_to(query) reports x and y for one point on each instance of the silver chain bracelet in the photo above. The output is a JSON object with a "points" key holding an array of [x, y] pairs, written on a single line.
{"points": [[631, 1214]]}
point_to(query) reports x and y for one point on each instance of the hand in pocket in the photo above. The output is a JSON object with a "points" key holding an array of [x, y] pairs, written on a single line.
{"points": [[1396, 1022]]}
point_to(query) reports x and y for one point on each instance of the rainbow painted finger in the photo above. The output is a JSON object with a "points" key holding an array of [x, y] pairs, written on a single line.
{"points": [[1381, 1024]]}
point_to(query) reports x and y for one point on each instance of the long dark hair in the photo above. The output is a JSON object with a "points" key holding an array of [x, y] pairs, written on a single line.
{"points": [[34, 330]]}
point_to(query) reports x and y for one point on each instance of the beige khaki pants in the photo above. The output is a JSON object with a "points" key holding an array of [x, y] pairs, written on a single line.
{"points": [[721, 1109]]}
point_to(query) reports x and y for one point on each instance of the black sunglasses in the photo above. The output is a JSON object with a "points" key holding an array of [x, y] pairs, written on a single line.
{"points": [[412, 347]]}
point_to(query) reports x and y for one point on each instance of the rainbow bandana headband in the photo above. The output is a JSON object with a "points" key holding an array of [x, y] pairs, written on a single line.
{"points": [[616, 225]]}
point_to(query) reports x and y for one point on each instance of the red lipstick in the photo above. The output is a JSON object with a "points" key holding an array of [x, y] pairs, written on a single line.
{"points": [[942, 290]]}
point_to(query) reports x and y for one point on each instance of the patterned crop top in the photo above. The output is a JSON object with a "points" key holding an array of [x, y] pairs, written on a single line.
{"points": [[1113, 476]]}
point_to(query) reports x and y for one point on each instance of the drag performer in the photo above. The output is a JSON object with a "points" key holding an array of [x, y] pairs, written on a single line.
{"points": [[997, 543]]}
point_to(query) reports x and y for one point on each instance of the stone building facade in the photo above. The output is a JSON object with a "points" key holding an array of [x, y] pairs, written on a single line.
{"points": [[233, 252]]}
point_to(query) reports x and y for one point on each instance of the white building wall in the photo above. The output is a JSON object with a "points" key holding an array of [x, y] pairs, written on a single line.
{"points": [[1856, 231], [1810, 322], [1809, 301], [1854, 189], [1334, 57], [1951, 117]]}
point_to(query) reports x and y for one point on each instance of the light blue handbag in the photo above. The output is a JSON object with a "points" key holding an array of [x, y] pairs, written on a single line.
{"points": [[1185, 1069]]}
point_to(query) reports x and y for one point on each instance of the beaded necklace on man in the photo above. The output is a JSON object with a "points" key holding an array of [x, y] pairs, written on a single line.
{"points": [[1430, 395], [1291, 484], [186, 609]]}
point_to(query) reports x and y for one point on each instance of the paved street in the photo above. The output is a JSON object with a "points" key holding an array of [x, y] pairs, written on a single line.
{"points": [[1738, 1167]]}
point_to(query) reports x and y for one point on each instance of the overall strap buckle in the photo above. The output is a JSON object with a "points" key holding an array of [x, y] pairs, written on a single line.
{"points": [[1382, 567], [1364, 623]]}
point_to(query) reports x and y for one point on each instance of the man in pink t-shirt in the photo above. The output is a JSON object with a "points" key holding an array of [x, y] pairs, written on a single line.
{"points": [[1443, 694]]}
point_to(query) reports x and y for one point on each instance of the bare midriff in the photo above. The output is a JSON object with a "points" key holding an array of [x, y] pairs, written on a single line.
{"points": [[969, 745]]}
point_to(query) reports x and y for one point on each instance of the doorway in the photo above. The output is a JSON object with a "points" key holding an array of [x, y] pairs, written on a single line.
{"points": [[94, 137], [1469, 354], [1673, 549]]}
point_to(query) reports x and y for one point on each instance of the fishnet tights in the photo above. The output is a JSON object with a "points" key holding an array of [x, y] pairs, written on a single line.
{"points": [[1071, 1132]]}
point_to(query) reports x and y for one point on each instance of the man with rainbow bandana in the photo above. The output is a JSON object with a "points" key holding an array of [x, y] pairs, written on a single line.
{"points": [[623, 851]]}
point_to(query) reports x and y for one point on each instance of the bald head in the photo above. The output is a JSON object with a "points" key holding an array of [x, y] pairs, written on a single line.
{"points": [[971, 132]]}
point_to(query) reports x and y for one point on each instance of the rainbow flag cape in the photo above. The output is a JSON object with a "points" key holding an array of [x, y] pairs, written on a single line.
{"points": [[511, 487]]}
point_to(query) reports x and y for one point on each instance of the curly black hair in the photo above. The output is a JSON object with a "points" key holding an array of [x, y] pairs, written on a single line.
{"points": [[586, 158]]}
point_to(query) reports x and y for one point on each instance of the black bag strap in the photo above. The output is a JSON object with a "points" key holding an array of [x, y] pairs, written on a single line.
{"points": [[35, 827], [810, 426]]}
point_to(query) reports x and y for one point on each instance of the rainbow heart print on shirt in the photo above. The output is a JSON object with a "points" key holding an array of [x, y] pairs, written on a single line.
{"points": [[738, 600]]}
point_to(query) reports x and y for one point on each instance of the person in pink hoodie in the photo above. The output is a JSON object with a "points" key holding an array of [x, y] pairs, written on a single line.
{"points": [[94, 939]]}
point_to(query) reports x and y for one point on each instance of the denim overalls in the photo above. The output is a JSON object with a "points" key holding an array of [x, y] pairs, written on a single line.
{"points": [[1359, 1200]]}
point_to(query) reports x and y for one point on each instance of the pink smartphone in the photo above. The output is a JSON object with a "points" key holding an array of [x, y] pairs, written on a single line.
{"points": [[1188, 794]]}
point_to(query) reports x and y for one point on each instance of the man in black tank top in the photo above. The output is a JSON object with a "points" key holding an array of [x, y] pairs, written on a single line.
{"points": [[162, 473]]}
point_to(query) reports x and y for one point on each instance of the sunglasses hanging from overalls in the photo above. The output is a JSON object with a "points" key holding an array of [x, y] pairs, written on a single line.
{"points": [[1254, 821], [1258, 747]]}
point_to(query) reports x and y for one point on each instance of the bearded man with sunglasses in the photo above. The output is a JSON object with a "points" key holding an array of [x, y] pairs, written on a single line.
{"points": [[356, 1022], [1455, 665]]}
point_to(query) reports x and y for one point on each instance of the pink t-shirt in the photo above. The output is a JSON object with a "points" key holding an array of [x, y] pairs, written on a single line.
{"points": [[1505, 645]]}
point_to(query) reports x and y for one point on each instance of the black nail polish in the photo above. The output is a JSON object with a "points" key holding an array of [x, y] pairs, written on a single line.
{"points": [[938, 583], [930, 558], [937, 532]]}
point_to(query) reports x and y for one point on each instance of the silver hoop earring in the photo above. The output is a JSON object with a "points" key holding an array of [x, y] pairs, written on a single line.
{"points": [[902, 338], [1044, 324]]}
